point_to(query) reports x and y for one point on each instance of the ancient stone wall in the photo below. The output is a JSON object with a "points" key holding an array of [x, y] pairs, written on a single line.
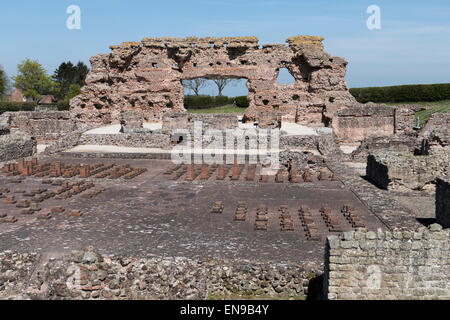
{"points": [[406, 144], [397, 170], [147, 76], [388, 265], [44, 126], [90, 275], [356, 123], [16, 145], [182, 120], [134, 140], [436, 121], [404, 120], [394, 171], [443, 201]]}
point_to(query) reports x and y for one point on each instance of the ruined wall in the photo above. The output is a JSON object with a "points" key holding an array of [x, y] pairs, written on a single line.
{"points": [[397, 170], [388, 265], [404, 120], [406, 144], [134, 140], [436, 121], [443, 201], [147, 76], [90, 275], [394, 171], [182, 120], [15, 146], [44, 126], [360, 121]]}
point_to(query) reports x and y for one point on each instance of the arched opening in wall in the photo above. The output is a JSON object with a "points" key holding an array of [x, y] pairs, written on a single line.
{"points": [[285, 77], [215, 95]]}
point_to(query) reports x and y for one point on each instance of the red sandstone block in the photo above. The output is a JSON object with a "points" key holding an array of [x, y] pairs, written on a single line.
{"points": [[9, 219], [75, 213], [44, 216], [57, 209]]}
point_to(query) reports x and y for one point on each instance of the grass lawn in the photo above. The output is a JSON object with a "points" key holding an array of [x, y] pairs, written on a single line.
{"points": [[432, 107], [229, 108]]}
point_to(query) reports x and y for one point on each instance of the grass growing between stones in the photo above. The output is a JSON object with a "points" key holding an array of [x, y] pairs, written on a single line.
{"points": [[431, 108], [229, 108]]}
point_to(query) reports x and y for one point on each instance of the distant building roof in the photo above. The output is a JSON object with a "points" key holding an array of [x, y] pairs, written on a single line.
{"points": [[17, 96], [47, 99]]}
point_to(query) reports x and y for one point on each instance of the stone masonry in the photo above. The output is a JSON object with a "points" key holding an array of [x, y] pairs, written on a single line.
{"points": [[15, 146], [402, 170], [147, 76], [388, 265], [89, 275]]}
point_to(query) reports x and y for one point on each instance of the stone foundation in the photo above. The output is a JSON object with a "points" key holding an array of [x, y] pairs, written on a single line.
{"points": [[90, 275], [182, 120], [135, 140]]}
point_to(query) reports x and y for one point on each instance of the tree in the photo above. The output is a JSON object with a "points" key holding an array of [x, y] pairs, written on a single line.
{"points": [[222, 83], [33, 80], [4, 83], [68, 74], [74, 90], [195, 85]]}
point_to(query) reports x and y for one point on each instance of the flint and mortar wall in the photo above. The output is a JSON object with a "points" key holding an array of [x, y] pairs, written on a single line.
{"points": [[388, 265], [89, 275]]}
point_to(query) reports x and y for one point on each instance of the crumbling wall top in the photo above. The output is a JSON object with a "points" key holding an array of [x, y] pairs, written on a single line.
{"points": [[299, 41], [231, 42], [201, 42]]}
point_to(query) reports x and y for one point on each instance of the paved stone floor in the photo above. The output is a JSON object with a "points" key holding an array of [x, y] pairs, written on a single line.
{"points": [[152, 214]]}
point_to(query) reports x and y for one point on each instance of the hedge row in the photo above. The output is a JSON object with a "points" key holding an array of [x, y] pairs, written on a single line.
{"points": [[28, 106], [206, 102], [406, 93]]}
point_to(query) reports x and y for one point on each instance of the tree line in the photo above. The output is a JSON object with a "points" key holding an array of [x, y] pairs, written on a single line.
{"points": [[68, 79], [195, 85], [34, 82]]}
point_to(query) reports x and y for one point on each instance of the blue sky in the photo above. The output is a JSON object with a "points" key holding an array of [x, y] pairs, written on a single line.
{"points": [[413, 45]]}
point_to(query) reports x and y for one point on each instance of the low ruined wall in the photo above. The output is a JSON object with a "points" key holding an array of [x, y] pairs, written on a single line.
{"points": [[436, 121], [44, 126], [209, 121], [388, 265], [16, 145], [89, 275], [392, 170], [372, 145], [443, 201], [136, 140], [356, 123]]}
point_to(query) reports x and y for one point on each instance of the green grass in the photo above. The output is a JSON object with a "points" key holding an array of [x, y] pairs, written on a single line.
{"points": [[229, 108], [432, 107]]}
